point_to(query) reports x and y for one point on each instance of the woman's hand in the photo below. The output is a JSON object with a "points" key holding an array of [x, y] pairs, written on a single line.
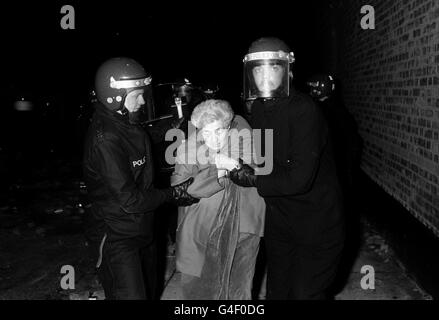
{"points": [[223, 162]]}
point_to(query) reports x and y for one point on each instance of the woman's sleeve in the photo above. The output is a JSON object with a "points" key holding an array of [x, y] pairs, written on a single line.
{"points": [[206, 182]]}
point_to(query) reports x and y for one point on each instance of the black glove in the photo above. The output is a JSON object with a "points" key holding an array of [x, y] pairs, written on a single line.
{"points": [[244, 176], [180, 196]]}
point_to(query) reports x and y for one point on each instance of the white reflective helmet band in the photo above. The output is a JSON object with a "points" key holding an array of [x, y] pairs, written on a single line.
{"points": [[266, 55], [126, 84]]}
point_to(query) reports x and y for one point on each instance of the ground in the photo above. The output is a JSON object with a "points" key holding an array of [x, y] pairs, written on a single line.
{"points": [[391, 281], [41, 230]]}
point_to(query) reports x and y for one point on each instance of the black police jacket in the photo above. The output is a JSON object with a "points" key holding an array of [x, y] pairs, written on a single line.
{"points": [[118, 171], [302, 192]]}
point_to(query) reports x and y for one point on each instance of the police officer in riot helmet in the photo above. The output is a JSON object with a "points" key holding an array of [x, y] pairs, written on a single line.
{"points": [[321, 86], [183, 89], [304, 228], [187, 96], [118, 172]]}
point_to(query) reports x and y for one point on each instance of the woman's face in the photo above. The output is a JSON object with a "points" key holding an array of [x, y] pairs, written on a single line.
{"points": [[215, 135]]}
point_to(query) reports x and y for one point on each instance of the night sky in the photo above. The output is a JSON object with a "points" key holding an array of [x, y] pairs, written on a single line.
{"points": [[199, 42], [55, 68]]}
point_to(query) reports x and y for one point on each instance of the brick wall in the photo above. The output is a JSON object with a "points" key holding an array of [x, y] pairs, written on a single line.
{"points": [[390, 79]]}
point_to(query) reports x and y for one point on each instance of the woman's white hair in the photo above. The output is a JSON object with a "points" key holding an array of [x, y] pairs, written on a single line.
{"points": [[210, 111]]}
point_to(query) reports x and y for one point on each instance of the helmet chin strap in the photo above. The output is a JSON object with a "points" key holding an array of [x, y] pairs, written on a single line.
{"points": [[132, 118]]}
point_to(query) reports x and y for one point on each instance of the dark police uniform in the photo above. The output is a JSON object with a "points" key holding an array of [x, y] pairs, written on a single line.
{"points": [[119, 173], [304, 228]]}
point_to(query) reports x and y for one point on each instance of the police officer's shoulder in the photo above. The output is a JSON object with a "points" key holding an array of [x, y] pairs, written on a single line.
{"points": [[304, 104]]}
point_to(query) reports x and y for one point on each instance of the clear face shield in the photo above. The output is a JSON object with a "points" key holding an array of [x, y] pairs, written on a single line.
{"points": [[266, 74], [147, 111], [138, 101]]}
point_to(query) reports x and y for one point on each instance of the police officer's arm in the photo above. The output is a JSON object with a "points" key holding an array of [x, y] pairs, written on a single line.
{"points": [[114, 168], [306, 144]]}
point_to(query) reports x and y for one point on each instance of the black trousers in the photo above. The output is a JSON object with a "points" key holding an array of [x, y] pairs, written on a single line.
{"points": [[129, 270], [300, 270]]}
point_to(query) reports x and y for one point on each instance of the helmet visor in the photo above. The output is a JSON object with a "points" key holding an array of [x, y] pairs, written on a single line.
{"points": [[144, 106], [148, 109], [266, 79], [321, 86], [266, 75]]}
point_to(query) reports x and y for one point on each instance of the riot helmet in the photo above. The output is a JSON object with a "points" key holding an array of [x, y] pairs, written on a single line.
{"points": [[183, 89], [120, 80], [267, 69], [321, 86]]}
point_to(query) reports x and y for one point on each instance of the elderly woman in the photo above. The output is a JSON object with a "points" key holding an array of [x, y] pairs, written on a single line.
{"points": [[218, 237]]}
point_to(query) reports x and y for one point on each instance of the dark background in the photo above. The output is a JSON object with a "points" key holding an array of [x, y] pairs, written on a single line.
{"points": [[203, 42]]}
